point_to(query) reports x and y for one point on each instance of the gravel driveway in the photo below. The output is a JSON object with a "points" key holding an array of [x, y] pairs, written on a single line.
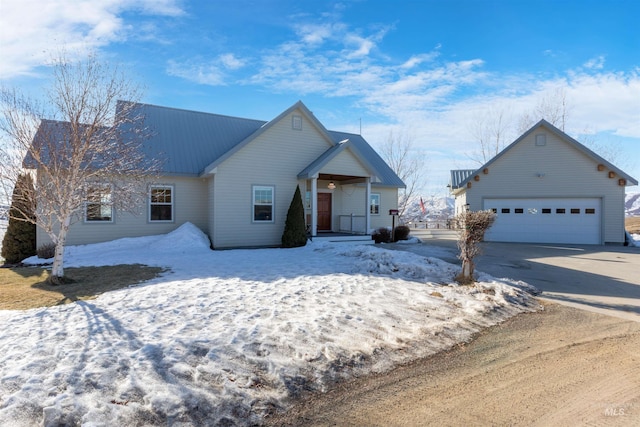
{"points": [[558, 367]]}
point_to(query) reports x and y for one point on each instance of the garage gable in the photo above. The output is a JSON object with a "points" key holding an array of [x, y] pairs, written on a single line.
{"points": [[564, 192]]}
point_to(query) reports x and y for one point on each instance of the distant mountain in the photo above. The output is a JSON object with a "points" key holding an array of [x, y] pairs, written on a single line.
{"points": [[632, 204], [436, 209]]}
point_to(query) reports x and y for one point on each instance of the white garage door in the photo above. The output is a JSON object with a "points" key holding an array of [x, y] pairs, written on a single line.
{"points": [[545, 220]]}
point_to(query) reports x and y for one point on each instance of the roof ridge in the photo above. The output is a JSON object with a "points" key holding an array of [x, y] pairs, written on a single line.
{"points": [[187, 110]]}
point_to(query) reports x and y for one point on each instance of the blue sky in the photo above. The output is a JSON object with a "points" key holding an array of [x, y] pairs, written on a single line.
{"points": [[427, 70]]}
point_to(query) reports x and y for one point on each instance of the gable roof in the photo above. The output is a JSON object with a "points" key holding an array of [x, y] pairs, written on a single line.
{"points": [[564, 137], [194, 143], [266, 126]]}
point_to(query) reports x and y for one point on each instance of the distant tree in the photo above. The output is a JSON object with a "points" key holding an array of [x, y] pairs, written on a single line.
{"points": [[399, 153], [490, 130], [295, 234], [472, 227], [83, 143], [553, 107], [20, 238]]}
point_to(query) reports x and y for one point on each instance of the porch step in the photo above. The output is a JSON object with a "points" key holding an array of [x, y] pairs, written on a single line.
{"points": [[351, 239]]}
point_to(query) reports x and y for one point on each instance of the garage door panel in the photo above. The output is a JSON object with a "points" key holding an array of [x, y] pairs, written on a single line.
{"points": [[557, 225]]}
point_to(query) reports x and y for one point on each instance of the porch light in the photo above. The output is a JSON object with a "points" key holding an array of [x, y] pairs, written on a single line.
{"points": [[331, 185]]}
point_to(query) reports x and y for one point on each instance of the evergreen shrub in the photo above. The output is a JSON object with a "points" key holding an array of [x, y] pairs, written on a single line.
{"points": [[295, 233]]}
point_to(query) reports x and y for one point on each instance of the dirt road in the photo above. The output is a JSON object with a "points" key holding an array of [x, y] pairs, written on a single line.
{"points": [[562, 366]]}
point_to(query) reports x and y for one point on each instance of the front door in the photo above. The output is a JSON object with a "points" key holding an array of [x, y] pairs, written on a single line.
{"points": [[324, 211]]}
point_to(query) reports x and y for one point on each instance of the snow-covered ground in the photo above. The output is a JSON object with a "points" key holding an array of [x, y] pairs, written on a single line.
{"points": [[228, 336]]}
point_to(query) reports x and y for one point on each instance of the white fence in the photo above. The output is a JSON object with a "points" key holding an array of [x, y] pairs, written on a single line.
{"points": [[353, 224]]}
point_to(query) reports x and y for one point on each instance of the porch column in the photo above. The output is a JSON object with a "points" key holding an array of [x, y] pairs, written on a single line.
{"points": [[367, 210], [314, 206]]}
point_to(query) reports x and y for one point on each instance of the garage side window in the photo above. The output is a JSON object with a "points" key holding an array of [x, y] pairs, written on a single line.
{"points": [[161, 203], [590, 211], [263, 203], [505, 210], [575, 210], [518, 210], [560, 210]]}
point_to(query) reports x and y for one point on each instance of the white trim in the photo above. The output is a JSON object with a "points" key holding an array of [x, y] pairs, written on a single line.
{"points": [[369, 198], [271, 188], [314, 206], [172, 203]]}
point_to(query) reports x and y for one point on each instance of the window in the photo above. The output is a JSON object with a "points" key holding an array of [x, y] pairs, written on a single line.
{"points": [[518, 210], [546, 210], [561, 210], [374, 205], [575, 210], [532, 211], [494, 210], [590, 211], [505, 210], [262, 203], [541, 140], [161, 203], [98, 207]]}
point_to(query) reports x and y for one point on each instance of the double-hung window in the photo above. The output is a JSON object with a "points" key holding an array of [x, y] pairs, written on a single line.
{"points": [[161, 203], [263, 203], [98, 206], [374, 204]]}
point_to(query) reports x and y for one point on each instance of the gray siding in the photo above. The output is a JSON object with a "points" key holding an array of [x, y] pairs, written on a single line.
{"points": [[274, 158], [190, 205]]}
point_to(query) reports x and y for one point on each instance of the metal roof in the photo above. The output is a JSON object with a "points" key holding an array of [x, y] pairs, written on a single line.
{"points": [[458, 176], [191, 142], [187, 141]]}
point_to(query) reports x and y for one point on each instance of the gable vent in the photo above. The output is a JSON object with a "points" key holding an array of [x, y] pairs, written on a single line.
{"points": [[296, 122], [541, 139]]}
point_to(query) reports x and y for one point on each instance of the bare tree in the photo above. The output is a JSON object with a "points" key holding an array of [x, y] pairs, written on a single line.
{"points": [[553, 107], [85, 147], [490, 129], [399, 153], [472, 226]]}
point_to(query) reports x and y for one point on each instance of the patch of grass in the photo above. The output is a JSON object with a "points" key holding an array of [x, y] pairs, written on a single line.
{"points": [[632, 224], [27, 287]]}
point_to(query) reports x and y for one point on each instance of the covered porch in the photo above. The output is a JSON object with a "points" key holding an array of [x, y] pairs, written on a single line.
{"points": [[339, 205]]}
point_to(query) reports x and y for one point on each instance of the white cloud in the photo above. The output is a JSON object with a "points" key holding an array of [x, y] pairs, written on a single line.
{"points": [[230, 61], [417, 60], [199, 72], [596, 63], [32, 31]]}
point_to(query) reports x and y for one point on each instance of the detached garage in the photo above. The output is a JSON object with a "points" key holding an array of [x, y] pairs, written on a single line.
{"points": [[546, 187]]}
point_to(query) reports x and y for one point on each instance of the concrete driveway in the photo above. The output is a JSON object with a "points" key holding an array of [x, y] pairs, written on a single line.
{"points": [[602, 279]]}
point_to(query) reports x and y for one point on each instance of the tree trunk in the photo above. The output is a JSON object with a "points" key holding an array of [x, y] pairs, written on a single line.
{"points": [[467, 270], [57, 270]]}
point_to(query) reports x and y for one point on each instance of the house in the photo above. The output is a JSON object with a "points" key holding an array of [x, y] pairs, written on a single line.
{"points": [[546, 187], [235, 178]]}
